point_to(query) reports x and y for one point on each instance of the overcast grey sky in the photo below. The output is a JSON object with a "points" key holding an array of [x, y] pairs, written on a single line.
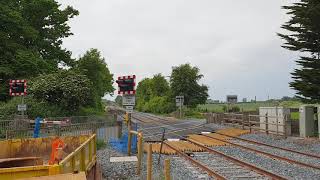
{"points": [[234, 43]]}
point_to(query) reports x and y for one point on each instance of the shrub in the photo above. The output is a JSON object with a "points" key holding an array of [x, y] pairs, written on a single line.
{"points": [[67, 89], [100, 144], [87, 111], [192, 113], [159, 105], [35, 108]]}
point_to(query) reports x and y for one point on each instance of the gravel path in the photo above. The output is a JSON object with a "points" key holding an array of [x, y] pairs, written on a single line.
{"points": [[114, 170], [180, 169]]}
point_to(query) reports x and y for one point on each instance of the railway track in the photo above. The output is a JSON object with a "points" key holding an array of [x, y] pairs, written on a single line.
{"points": [[256, 150], [236, 168], [222, 166]]}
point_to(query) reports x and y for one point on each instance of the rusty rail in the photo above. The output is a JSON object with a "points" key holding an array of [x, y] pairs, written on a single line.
{"points": [[197, 163], [241, 163], [267, 154], [268, 145]]}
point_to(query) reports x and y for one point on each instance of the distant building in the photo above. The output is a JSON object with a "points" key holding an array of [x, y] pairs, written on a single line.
{"points": [[244, 100], [232, 99], [216, 101]]}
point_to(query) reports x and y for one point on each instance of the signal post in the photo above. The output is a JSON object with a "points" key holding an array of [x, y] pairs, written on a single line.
{"points": [[126, 88], [19, 88]]}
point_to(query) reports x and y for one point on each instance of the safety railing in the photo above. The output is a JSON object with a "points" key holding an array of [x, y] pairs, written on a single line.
{"points": [[83, 128], [81, 159]]}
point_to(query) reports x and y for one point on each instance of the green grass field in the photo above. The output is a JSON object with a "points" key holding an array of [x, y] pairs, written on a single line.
{"points": [[250, 106]]}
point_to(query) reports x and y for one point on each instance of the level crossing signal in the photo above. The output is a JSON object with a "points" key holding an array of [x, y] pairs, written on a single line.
{"points": [[18, 88], [126, 84]]}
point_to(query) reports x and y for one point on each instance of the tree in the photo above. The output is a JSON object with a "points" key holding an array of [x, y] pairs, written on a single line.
{"points": [[159, 86], [153, 95], [184, 82], [67, 89], [304, 28], [94, 67], [31, 33]]}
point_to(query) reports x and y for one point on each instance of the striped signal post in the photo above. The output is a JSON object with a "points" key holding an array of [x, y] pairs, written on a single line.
{"points": [[126, 87], [19, 88]]}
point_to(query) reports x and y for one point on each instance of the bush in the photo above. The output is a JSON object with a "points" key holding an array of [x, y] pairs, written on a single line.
{"points": [[158, 105], [192, 113], [35, 108], [100, 144], [87, 111], [67, 89]]}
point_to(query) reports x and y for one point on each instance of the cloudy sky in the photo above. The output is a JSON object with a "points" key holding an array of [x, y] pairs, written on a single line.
{"points": [[234, 43]]}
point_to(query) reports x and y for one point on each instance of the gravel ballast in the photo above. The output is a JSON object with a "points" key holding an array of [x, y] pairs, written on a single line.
{"points": [[294, 143], [285, 169]]}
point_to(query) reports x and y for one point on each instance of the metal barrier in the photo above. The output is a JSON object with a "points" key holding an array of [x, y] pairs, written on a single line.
{"points": [[82, 158], [250, 121], [81, 125]]}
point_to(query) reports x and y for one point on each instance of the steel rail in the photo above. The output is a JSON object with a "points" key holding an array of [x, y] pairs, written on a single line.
{"points": [[197, 163], [152, 120], [152, 116], [268, 145], [241, 163], [172, 131], [266, 154], [142, 120]]}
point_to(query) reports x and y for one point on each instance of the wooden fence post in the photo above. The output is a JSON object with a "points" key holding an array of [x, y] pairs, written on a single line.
{"points": [[149, 164], [140, 152], [129, 136], [167, 169]]}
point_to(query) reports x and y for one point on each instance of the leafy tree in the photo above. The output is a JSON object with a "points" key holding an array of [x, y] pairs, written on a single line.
{"points": [[159, 105], [184, 82], [67, 89], [159, 86], [31, 33], [304, 28], [153, 95], [144, 90], [94, 67], [36, 108]]}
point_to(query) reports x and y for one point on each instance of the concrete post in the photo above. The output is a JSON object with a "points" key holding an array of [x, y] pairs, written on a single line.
{"points": [[149, 164], [167, 169], [250, 124], [267, 124]]}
